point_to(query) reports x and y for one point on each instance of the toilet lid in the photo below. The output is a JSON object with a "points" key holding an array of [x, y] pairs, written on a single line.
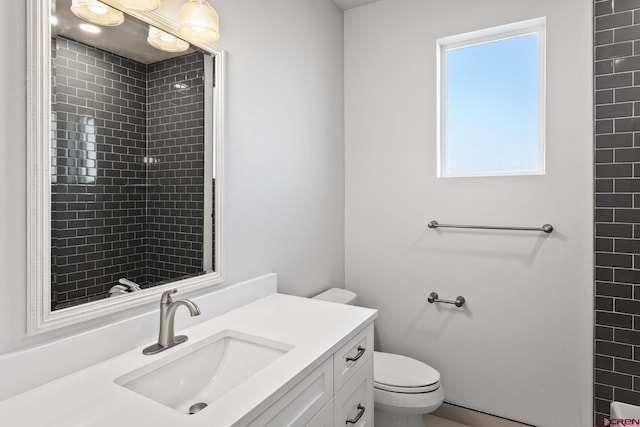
{"points": [[393, 371]]}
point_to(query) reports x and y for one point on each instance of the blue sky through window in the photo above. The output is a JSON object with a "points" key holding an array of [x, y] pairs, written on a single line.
{"points": [[492, 107]]}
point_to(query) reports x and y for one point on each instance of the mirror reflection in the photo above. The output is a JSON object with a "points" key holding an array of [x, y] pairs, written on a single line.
{"points": [[132, 176]]}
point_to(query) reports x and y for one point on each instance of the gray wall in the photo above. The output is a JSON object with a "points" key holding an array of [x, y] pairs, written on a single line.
{"points": [[517, 349], [284, 160], [617, 198]]}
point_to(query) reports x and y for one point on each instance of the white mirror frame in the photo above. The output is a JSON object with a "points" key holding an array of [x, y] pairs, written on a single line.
{"points": [[40, 317]]}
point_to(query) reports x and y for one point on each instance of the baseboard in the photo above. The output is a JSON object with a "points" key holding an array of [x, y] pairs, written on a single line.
{"points": [[473, 418]]}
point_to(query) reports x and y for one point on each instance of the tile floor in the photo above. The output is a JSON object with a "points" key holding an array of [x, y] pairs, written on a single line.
{"points": [[456, 416]]}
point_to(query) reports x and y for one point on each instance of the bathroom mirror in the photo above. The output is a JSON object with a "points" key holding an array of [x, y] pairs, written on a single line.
{"points": [[125, 147]]}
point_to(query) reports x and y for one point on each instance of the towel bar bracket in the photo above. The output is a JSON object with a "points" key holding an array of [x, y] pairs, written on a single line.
{"points": [[433, 297]]}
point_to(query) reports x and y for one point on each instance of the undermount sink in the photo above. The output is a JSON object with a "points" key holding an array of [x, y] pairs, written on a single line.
{"points": [[194, 377]]}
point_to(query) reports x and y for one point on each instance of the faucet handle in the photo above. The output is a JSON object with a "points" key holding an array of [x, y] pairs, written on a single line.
{"points": [[166, 296]]}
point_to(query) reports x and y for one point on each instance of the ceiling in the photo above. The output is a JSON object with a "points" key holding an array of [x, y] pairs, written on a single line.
{"points": [[350, 4]]}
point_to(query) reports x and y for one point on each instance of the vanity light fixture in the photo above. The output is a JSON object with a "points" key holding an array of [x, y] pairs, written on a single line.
{"points": [[139, 5], [198, 21], [165, 41], [97, 13]]}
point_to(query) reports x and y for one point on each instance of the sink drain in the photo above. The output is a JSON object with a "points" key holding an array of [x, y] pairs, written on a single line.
{"points": [[197, 407]]}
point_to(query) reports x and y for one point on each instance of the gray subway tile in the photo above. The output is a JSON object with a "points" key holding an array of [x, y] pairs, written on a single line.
{"points": [[604, 333], [614, 230], [612, 21], [626, 396], [614, 170], [626, 276], [627, 336], [627, 124], [604, 127], [613, 379], [627, 216], [614, 140], [628, 306], [613, 260], [610, 81], [627, 246], [604, 244], [603, 37], [604, 186], [627, 94], [603, 8], [624, 5], [624, 34], [604, 67], [612, 200], [628, 63], [613, 349], [606, 318], [614, 110]]}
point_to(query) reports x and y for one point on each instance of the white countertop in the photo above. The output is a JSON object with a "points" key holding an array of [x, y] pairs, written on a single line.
{"points": [[90, 397]]}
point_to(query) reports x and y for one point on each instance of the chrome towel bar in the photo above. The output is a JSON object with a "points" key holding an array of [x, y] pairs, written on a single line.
{"points": [[547, 228], [433, 297]]}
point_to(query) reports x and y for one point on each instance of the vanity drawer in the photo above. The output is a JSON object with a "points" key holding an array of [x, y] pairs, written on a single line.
{"points": [[324, 418], [353, 404], [350, 357], [302, 402]]}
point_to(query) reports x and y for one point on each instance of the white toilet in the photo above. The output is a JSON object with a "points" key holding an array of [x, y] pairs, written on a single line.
{"points": [[404, 388]]}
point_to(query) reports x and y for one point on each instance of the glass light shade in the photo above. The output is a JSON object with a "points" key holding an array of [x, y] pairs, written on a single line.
{"points": [[198, 21], [139, 5], [97, 13], [165, 41]]}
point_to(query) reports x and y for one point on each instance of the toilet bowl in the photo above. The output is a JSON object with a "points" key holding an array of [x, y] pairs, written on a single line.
{"points": [[404, 388]]}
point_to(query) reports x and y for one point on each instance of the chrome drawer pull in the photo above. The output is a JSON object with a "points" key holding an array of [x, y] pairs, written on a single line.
{"points": [[361, 410], [361, 351]]}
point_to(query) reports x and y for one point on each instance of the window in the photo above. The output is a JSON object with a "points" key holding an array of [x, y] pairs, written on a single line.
{"points": [[491, 101]]}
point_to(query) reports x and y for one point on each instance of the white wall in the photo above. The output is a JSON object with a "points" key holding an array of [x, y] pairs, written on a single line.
{"points": [[522, 346], [284, 159]]}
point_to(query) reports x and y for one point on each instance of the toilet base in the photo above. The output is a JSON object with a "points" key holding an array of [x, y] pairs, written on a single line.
{"points": [[389, 419]]}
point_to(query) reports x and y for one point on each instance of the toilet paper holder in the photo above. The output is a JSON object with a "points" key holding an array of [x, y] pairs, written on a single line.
{"points": [[433, 297]]}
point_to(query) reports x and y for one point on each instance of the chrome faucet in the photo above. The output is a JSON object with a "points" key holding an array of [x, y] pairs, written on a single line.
{"points": [[167, 337]]}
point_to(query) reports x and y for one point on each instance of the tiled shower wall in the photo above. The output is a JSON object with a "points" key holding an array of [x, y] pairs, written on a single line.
{"points": [[176, 172], [617, 201], [98, 212], [127, 192]]}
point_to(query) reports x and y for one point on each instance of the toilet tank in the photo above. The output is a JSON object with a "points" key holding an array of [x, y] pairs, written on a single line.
{"points": [[337, 295]]}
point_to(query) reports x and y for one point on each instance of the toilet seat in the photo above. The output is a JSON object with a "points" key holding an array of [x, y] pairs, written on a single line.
{"points": [[407, 390], [401, 374]]}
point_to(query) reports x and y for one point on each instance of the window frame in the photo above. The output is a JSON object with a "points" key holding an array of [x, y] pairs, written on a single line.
{"points": [[533, 26]]}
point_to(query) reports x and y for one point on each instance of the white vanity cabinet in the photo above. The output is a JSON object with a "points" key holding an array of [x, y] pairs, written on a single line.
{"points": [[340, 389], [321, 375]]}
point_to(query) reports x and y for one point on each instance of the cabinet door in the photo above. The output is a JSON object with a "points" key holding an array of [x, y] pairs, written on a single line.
{"points": [[353, 404], [324, 418], [298, 406]]}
